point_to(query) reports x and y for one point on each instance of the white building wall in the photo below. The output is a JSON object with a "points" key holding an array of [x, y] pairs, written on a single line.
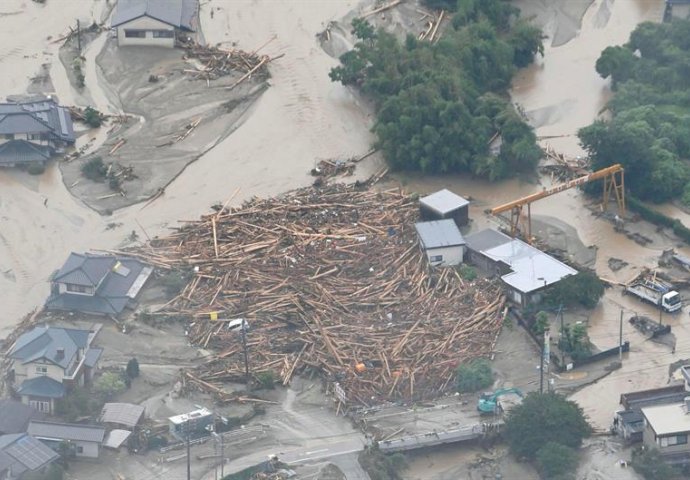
{"points": [[89, 449], [449, 255], [148, 24], [53, 371], [681, 11]]}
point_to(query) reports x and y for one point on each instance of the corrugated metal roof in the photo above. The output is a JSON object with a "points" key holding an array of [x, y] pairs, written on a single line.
{"points": [[444, 201], [531, 268], [439, 233], [668, 419], [116, 438], [486, 239], [66, 431], [177, 13], [127, 414], [92, 356]]}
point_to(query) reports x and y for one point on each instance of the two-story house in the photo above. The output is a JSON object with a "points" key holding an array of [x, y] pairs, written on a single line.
{"points": [[97, 284], [47, 361], [33, 131]]}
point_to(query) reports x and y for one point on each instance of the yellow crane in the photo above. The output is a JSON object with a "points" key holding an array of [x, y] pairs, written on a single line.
{"points": [[614, 182]]}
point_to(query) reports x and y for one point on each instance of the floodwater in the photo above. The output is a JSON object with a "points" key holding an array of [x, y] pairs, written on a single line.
{"points": [[302, 118]]}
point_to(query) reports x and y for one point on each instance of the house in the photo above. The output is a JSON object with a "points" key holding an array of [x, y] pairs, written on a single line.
{"points": [[445, 204], [31, 132], [525, 271], [666, 428], [21, 453], [677, 9], [153, 22], [97, 284], [82, 440], [195, 423], [629, 425], [15, 416], [46, 361], [441, 241]]}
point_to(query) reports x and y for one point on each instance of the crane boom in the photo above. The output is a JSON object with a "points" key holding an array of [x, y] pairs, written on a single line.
{"points": [[590, 177]]}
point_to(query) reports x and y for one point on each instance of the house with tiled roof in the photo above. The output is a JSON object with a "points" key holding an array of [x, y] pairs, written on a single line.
{"points": [[47, 361], [22, 455], [33, 131], [153, 22], [97, 284]]}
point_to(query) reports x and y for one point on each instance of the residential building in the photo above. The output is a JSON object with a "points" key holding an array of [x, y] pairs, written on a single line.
{"points": [[33, 131], [445, 204], [21, 454], [153, 22], [629, 425], [97, 284], [15, 416], [525, 271], [441, 241], [82, 440], [666, 428], [677, 9], [46, 361]]}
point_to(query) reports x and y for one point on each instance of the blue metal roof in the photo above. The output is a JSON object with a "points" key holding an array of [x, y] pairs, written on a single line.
{"points": [[45, 343], [42, 387]]}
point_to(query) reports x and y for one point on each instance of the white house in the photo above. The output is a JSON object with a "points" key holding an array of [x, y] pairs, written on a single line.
{"points": [[442, 242], [153, 22], [82, 440]]}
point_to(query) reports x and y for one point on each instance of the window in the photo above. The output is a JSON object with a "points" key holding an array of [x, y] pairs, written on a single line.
{"points": [[436, 258], [40, 405], [77, 288], [673, 440], [80, 449], [41, 370], [135, 33], [163, 34]]}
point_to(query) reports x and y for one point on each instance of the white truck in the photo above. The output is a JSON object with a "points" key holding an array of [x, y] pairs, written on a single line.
{"points": [[656, 292]]}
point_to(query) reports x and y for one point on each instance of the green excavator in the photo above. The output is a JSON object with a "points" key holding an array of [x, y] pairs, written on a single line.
{"points": [[488, 402]]}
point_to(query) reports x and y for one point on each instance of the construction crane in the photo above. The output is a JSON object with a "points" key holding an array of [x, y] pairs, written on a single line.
{"points": [[613, 183]]}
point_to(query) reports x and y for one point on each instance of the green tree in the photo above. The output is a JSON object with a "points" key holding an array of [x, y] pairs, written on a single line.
{"points": [[543, 418], [650, 464], [92, 117], [474, 375], [132, 370], [617, 62], [109, 384], [583, 288], [541, 323], [527, 41], [574, 341], [557, 461]]}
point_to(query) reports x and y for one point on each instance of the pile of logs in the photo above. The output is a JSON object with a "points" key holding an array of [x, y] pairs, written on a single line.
{"points": [[563, 168], [330, 280], [217, 62]]}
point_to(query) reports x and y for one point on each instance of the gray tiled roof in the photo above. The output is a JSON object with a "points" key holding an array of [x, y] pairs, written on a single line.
{"points": [[439, 233], [177, 13], [92, 356], [44, 342], [15, 416], [486, 239], [67, 431], [42, 387], [39, 116], [85, 269], [21, 452], [22, 151]]}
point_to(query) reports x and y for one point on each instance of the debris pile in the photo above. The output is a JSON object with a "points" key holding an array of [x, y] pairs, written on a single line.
{"points": [[217, 62], [563, 168], [331, 280]]}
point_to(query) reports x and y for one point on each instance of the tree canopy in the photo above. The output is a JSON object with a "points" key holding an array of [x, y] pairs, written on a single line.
{"points": [[649, 133], [543, 418], [440, 105]]}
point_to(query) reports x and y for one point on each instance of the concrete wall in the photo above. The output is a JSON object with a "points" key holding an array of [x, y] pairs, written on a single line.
{"points": [[89, 449], [451, 255], [148, 24], [648, 437], [681, 11]]}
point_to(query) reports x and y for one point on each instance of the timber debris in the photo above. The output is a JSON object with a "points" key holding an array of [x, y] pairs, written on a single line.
{"points": [[330, 280], [216, 62]]}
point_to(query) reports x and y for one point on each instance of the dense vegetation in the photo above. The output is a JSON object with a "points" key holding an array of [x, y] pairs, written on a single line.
{"points": [[380, 466], [649, 132], [440, 105], [473, 376], [547, 428], [583, 289], [651, 465]]}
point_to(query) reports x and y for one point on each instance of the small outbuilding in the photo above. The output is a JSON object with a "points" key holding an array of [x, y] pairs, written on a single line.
{"points": [[442, 242], [83, 440], [127, 415], [153, 22], [194, 423], [445, 204]]}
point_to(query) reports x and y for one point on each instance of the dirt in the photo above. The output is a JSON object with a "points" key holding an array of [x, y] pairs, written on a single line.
{"points": [[616, 264], [330, 472]]}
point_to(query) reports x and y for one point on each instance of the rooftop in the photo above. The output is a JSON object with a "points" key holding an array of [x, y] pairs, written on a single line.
{"points": [[486, 239], [15, 416], [202, 412], [21, 452], [42, 387], [37, 116], [177, 13], [126, 414], [668, 419], [444, 201], [21, 151], [66, 431], [53, 344], [439, 233]]}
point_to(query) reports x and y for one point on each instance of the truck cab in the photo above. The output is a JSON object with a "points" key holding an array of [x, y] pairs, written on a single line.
{"points": [[671, 301]]}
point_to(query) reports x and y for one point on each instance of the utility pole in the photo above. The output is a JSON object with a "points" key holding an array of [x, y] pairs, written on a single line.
{"points": [[620, 337], [189, 465], [560, 314], [246, 355], [222, 456], [541, 367], [79, 37], [661, 312]]}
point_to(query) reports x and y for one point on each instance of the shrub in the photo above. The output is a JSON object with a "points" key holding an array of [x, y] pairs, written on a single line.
{"points": [[94, 169], [267, 379], [467, 272], [36, 169], [474, 376], [109, 385], [584, 288], [541, 323], [92, 117], [380, 466], [649, 463], [574, 342], [78, 403], [132, 370], [556, 460]]}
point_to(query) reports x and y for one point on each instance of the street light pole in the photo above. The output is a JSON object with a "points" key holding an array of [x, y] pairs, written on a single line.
{"points": [[189, 465]]}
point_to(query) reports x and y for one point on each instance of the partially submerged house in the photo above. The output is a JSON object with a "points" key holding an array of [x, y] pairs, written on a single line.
{"points": [[445, 204], [153, 22], [525, 271], [81, 440], [442, 242], [97, 284], [22, 454], [31, 132], [46, 361]]}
